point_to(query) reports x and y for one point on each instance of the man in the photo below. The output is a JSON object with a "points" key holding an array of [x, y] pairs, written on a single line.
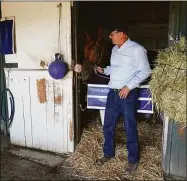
{"points": [[129, 67]]}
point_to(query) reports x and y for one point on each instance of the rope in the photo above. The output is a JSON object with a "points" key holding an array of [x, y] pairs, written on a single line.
{"points": [[12, 105], [59, 28], [103, 76], [4, 95], [176, 76]]}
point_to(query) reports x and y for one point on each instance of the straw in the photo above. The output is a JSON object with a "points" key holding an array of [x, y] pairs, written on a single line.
{"points": [[90, 148], [168, 83]]}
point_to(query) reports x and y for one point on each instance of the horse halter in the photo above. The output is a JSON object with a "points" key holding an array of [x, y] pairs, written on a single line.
{"points": [[98, 48]]}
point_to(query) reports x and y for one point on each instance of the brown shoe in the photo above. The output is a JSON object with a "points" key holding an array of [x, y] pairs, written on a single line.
{"points": [[102, 160], [130, 169]]}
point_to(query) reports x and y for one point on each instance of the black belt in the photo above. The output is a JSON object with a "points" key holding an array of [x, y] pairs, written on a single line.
{"points": [[117, 90]]}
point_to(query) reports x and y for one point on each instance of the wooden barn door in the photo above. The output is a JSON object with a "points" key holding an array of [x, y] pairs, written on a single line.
{"points": [[76, 81]]}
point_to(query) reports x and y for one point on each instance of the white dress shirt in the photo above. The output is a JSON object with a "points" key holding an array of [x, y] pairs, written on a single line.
{"points": [[129, 66]]}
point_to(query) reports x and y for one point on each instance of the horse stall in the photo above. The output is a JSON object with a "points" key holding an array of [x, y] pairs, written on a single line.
{"points": [[150, 25], [149, 28]]}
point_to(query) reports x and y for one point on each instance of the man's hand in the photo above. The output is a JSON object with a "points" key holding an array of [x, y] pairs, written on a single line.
{"points": [[78, 68], [124, 92], [100, 70]]}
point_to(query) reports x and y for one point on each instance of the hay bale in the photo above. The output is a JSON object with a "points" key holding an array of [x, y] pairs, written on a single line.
{"points": [[168, 83], [91, 145]]}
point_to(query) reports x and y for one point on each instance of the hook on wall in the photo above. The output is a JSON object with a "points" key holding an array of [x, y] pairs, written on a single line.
{"points": [[59, 5]]}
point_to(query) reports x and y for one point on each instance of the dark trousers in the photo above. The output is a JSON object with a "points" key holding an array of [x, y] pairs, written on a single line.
{"points": [[127, 108]]}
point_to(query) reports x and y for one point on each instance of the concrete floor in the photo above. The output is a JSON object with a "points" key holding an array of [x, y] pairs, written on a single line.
{"points": [[5, 141], [25, 164]]}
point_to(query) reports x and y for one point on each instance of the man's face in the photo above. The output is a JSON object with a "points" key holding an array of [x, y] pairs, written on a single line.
{"points": [[116, 37]]}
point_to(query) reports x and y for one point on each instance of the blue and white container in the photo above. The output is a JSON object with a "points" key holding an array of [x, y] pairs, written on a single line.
{"points": [[97, 96]]}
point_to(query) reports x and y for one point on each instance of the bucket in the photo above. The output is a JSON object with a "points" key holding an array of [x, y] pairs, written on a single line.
{"points": [[174, 160]]}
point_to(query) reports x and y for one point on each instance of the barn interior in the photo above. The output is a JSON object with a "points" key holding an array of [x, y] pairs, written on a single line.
{"points": [[147, 23]]}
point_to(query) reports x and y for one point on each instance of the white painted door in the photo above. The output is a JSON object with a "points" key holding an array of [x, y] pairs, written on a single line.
{"points": [[43, 111]]}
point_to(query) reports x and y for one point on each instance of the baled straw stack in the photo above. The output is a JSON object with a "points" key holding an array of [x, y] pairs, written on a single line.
{"points": [[168, 84], [90, 148]]}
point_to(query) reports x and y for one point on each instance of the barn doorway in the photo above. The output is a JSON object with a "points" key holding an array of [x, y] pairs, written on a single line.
{"points": [[148, 25]]}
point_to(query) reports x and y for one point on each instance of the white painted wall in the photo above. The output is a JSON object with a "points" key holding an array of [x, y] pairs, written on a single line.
{"points": [[48, 125], [36, 26]]}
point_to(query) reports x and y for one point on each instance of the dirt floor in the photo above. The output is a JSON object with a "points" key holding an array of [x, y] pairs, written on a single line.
{"points": [[16, 168]]}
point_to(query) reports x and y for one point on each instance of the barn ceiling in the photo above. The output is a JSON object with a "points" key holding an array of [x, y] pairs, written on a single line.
{"points": [[117, 13]]}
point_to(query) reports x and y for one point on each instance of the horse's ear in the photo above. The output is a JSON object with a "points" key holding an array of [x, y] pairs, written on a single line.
{"points": [[99, 34], [87, 35]]}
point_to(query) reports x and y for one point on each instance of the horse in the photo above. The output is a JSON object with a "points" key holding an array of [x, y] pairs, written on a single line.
{"points": [[95, 54]]}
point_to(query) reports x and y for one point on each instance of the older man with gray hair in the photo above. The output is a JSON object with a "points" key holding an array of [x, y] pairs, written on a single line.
{"points": [[129, 68]]}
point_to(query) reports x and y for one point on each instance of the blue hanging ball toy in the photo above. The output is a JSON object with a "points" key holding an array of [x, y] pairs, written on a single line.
{"points": [[57, 69]]}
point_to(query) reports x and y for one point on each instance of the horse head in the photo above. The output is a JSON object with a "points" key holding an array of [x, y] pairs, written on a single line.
{"points": [[95, 53], [94, 49]]}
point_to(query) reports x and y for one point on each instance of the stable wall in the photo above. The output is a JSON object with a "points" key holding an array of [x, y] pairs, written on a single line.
{"points": [[43, 106]]}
